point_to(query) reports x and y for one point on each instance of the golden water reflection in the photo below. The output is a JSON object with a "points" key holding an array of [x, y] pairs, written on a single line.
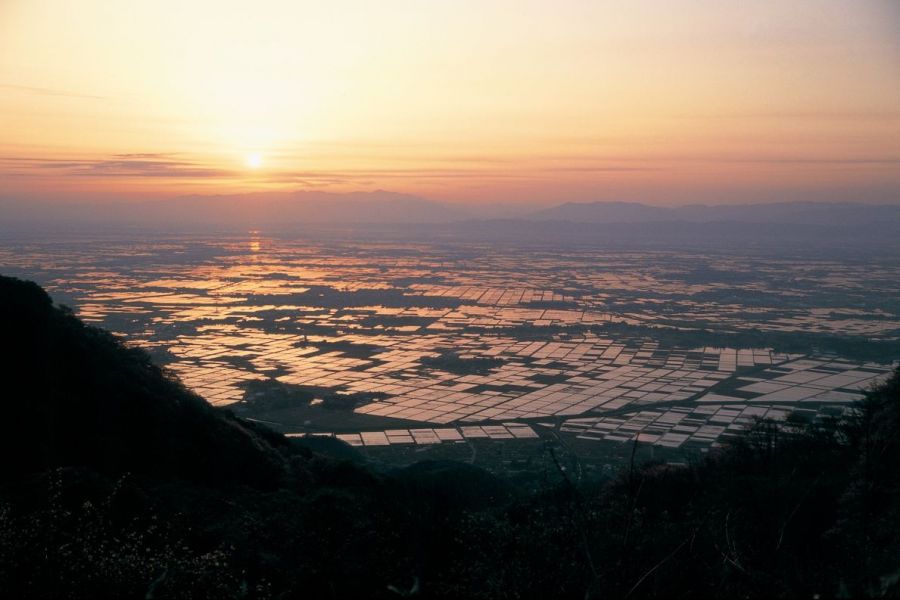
{"points": [[564, 333]]}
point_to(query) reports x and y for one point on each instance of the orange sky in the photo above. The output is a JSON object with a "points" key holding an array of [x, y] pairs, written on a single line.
{"points": [[663, 101]]}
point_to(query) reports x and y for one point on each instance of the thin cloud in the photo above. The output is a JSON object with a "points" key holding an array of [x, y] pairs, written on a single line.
{"points": [[122, 165], [149, 155], [798, 160], [858, 115], [354, 176], [40, 91]]}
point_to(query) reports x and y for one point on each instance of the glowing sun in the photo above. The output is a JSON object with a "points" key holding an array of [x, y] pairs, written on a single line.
{"points": [[254, 160]]}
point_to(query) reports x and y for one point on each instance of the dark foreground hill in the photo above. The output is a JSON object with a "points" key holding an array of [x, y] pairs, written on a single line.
{"points": [[117, 482], [75, 396]]}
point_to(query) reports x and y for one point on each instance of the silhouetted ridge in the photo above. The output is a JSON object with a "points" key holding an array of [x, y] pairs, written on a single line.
{"points": [[76, 396]]}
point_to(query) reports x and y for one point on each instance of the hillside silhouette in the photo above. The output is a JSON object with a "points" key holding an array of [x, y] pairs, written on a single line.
{"points": [[77, 396], [116, 481]]}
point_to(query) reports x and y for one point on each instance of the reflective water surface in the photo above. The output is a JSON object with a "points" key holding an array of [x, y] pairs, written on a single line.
{"points": [[470, 340]]}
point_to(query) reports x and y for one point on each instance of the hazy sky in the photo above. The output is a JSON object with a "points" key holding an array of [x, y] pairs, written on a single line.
{"points": [[664, 101]]}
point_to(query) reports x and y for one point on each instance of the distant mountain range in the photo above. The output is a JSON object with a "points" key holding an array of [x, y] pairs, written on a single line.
{"points": [[258, 209], [298, 208], [311, 207], [801, 213]]}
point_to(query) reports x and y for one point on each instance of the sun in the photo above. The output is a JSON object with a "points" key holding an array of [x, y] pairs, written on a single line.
{"points": [[253, 160]]}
